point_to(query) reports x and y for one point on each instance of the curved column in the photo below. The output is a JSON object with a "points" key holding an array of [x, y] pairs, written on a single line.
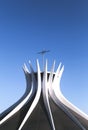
{"points": [[55, 93], [46, 98], [37, 96], [29, 89]]}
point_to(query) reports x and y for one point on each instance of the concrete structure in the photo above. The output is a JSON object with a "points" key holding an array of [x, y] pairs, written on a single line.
{"points": [[43, 107]]}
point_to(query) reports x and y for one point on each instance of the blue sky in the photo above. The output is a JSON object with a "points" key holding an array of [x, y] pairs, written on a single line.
{"points": [[29, 26]]}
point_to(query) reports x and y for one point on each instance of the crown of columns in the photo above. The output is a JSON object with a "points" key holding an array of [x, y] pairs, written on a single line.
{"points": [[47, 85]]}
